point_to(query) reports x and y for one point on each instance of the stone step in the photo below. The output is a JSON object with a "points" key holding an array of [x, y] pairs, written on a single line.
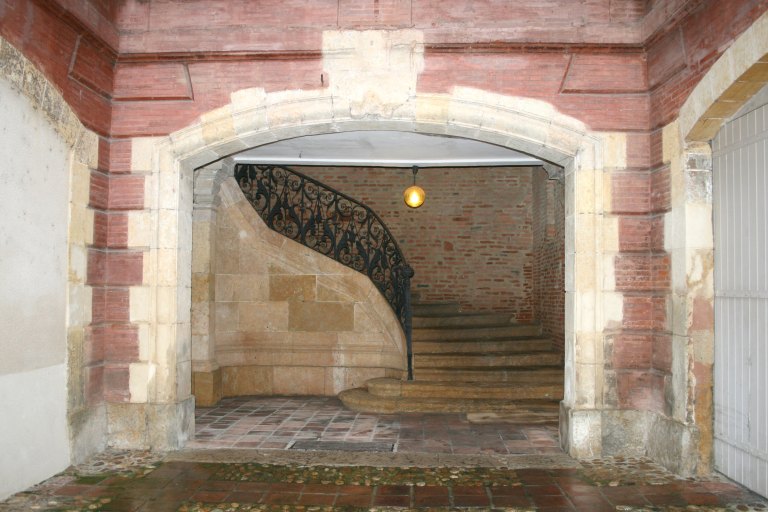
{"points": [[485, 359], [386, 387], [535, 411], [498, 346], [462, 320], [540, 375], [434, 308], [520, 417], [476, 333]]}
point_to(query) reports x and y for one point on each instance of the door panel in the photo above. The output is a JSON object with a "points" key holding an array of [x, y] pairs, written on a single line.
{"points": [[740, 193]]}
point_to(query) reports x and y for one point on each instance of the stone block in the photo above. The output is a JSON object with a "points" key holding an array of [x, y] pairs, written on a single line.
{"points": [[80, 305], [227, 317], [170, 425], [344, 287], [321, 316], [581, 432], [246, 380], [242, 288], [299, 380], [674, 445], [167, 267], [184, 379], [251, 288], [263, 316], [126, 426], [203, 289], [140, 375], [166, 304], [292, 287], [624, 433], [145, 340], [299, 356], [698, 228], [365, 321], [88, 429], [589, 385]]}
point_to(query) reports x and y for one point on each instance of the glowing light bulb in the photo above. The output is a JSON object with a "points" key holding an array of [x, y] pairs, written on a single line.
{"points": [[414, 196]]}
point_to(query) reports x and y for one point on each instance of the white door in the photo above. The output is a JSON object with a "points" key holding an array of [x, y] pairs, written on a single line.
{"points": [[740, 196]]}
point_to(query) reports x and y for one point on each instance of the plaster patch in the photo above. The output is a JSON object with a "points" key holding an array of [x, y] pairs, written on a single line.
{"points": [[614, 150], [142, 153], [376, 70]]}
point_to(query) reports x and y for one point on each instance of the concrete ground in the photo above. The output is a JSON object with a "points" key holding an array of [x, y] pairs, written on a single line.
{"points": [[309, 453]]}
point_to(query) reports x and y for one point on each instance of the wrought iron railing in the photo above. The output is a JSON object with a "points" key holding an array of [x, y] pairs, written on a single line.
{"points": [[335, 225]]}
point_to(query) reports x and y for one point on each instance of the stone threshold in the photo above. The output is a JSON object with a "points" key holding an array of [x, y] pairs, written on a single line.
{"points": [[377, 459]]}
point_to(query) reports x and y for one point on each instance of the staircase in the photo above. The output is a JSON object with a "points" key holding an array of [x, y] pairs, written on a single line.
{"points": [[471, 363]]}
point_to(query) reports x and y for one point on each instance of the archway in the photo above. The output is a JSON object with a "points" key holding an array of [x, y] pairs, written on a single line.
{"points": [[501, 226], [737, 75], [256, 118]]}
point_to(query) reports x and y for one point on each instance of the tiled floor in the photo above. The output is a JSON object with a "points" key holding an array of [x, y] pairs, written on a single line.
{"points": [[277, 423], [232, 487], [242, 459]]}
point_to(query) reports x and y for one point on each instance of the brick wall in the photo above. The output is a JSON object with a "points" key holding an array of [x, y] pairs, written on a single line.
{"points": [[549, 255], [621, 65], [471, 241]]}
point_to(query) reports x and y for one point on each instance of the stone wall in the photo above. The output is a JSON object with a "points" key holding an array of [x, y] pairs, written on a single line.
{"points": [[471, 241], [275, 317]]}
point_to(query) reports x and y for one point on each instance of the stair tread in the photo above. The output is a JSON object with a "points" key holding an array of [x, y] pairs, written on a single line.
{"points": [[488, 353], [473, 327], [459, 384], [517, 369], [500, 339], [360, 399], [490, 369]]}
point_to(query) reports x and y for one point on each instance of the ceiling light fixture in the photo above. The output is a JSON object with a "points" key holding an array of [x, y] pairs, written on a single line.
{"points": [[414, 195]]}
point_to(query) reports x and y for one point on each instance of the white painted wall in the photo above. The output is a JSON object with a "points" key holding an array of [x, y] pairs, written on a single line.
{"points": [[34, 185]]}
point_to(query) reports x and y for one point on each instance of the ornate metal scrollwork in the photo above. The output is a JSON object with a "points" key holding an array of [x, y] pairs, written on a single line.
{"points": [[335, 225]]}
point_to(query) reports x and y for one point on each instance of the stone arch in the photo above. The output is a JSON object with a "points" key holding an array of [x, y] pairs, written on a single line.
{"points": [[255, 118], [735, 77]]}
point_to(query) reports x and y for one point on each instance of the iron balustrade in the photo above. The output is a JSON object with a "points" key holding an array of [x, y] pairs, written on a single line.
{"points": [[335, 225]]}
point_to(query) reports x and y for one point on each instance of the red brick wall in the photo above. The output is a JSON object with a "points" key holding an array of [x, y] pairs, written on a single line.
{"points": [[471, 241], [70, 55], [549, 255], [601, 62]]}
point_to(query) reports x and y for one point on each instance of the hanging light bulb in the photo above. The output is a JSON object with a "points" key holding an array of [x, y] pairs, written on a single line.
{"points": [[414, 195]]}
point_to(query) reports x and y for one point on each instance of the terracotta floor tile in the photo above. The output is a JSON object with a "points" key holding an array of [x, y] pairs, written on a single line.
{"points": [[471, 501], [511, 501], [392, 501], [316, 499], [463, 490], [393, 490], [544, 490], [353, 500], [246, 497], [210, 496], [280, 498]]}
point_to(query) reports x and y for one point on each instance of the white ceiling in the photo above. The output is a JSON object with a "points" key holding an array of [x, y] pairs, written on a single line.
{"points": [[385, 149]]}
